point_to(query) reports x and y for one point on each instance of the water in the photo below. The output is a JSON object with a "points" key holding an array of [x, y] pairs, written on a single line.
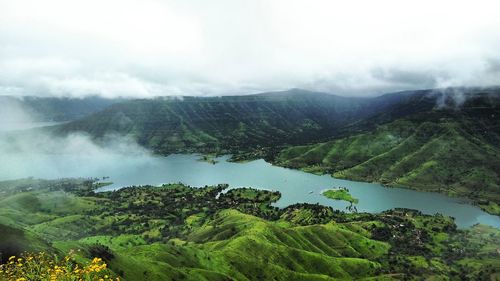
{"points": [[295, 186]]}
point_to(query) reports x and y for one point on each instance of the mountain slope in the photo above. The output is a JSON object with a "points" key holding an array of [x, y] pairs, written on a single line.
{"points": [[245, 123], [453, 151], [225, 123], [176, 232], [445, 140]]}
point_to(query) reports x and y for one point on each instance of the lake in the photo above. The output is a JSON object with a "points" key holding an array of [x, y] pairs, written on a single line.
{"points": [[295, 186]]}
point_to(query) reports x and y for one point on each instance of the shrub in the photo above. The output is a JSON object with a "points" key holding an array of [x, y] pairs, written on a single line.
{"points": [[41, 266]]}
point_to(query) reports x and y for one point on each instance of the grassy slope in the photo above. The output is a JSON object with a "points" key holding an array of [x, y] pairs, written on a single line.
{"points": [[340, 194], [306, 242], [440, 154], [222, 124], [232, 244]]}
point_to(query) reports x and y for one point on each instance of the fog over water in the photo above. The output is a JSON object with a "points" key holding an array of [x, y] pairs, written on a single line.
{"points": [[26, 152], [37, 153]]}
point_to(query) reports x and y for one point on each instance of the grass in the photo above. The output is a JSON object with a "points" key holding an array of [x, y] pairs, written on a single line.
{"points": [[176, 232], [491, 207], [340, 194], [440, 155]]}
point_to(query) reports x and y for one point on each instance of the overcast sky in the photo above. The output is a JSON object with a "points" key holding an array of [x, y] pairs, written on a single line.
{"points": [[187, 47]]}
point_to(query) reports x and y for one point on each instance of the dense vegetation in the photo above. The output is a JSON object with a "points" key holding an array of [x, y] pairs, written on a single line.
{"points": [[456, 151], [444, 140], [42, 267], [239, 124], [340, 194], [175, 232]]}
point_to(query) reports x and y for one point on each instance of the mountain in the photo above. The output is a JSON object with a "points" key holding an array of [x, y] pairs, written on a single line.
{"points": [[227, 124], [55, 109], [451, 148], [230, 124], [445, 140]]}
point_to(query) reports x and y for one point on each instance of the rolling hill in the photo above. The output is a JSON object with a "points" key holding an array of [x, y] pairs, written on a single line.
{"points": [[177, 232]]}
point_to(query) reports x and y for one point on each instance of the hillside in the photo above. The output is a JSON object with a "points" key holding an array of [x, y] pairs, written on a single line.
{"points": [[228, 124], [251, 123], [175, 232], [450, 150], [444, 140]]}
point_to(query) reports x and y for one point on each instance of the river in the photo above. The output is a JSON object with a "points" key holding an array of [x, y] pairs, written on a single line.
{"points": [[295, 186]]}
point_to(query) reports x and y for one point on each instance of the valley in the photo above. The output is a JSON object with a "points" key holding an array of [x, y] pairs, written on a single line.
{"points": [[247, 187], [441, 140]]}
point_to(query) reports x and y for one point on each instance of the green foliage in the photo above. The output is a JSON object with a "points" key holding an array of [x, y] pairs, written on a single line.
{"points": [[437, 155], [340, 194], [248, 126], [175, 232]]}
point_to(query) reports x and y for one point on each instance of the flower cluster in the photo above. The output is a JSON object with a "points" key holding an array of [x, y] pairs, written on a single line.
{"points": [[41, 266]]}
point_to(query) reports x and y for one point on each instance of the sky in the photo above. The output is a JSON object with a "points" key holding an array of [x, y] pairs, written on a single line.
{"points": [[149, 48]]}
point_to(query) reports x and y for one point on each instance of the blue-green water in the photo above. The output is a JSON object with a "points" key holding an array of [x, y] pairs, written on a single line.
{"points": [[295, 186]]}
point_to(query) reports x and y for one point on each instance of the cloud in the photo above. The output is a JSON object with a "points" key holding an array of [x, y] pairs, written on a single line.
{"points": [[152, 47], [39, 153], [13, 115]]}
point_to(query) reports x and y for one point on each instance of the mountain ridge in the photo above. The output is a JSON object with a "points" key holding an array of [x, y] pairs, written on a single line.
{"points": [[319, 132]]}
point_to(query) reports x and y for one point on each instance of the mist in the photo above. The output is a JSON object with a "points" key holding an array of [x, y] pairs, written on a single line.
{"points": [[13, 116], [151, 48], [36, 152]]}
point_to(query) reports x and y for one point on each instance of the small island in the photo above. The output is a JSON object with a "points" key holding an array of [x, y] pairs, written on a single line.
{"points": [[209, 158], [340, 193]]}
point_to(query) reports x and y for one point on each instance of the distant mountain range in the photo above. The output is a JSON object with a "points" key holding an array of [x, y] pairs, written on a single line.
{"points": [[445, 140], [45, 109]]}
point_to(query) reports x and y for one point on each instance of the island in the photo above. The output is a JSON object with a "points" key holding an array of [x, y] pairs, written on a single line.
{"points": [[340, 193]]}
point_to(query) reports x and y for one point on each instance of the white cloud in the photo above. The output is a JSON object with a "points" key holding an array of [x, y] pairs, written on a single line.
{"points": [[195, 47]]}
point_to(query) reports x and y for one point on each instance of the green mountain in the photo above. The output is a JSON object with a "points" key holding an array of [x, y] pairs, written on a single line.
{"points": [[445, 140], [451, 149], [176, 232], [228, 124]]}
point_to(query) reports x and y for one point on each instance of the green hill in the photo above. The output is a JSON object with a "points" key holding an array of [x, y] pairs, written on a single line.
{"points": [[260, 124], [176, 232], [454, 152], [229, 124], [445, 140]]}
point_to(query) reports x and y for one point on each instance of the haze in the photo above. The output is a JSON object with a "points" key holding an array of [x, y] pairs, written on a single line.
{"points": [[151, 48]]}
